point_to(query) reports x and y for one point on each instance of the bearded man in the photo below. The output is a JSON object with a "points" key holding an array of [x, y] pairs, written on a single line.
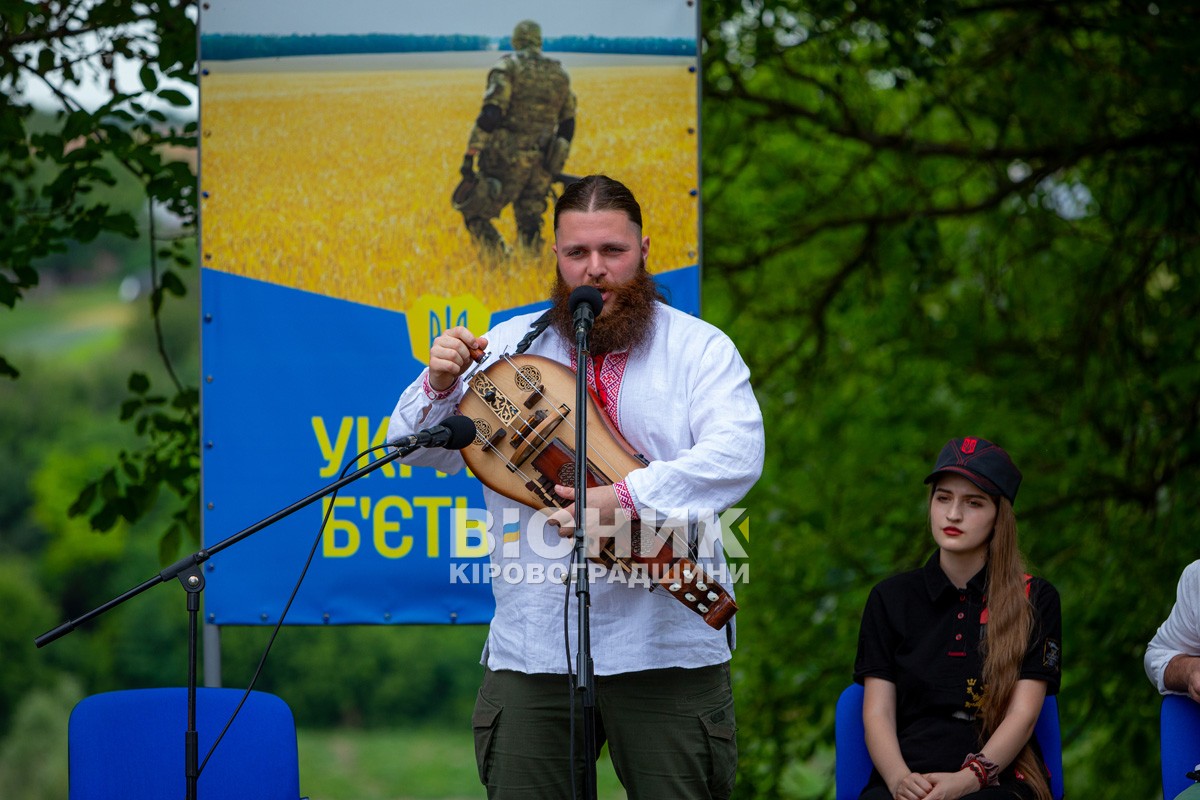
{"points": [[679, 393]]}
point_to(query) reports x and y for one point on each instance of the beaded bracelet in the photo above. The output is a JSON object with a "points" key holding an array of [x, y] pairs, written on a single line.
{"points": [[978, 772], [988, 772]]}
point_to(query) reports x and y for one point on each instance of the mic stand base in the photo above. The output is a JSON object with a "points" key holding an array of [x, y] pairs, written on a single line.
{"points": [[187, 571]]}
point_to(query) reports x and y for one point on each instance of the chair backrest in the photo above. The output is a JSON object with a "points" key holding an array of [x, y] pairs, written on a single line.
{"points": [[853, 761], [130, 745], [1179, 742], [1049, 738]]}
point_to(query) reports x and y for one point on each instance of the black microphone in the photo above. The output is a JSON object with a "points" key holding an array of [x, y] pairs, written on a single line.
{"points": [[585, 304], [454, 433]]}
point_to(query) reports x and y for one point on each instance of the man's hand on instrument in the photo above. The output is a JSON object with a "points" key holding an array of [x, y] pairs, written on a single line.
{"points": [[451, 354], [601, 500]]}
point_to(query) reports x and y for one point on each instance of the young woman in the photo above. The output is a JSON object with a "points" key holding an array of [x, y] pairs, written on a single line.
{"points": [[957, 657]]}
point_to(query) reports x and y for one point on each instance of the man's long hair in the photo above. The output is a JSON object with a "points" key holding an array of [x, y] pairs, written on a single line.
{"points": [[598, 193], [1010, 622]]}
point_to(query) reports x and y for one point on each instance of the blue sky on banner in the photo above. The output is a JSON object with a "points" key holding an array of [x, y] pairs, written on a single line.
{"points": [[475, 17]]}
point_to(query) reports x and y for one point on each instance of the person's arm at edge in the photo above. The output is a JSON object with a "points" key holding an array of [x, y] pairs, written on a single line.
{"points": [[1182, 675], [1172, 659], [879, 722]]}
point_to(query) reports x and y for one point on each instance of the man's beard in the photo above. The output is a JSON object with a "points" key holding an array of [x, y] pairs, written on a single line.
{"points": [[627, 318]]}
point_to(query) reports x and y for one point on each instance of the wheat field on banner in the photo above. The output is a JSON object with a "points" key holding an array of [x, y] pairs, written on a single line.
{"points": [[334, 177]]}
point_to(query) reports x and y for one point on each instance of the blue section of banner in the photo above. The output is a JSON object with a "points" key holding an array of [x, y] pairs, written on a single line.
{"points": [[296, 384]]}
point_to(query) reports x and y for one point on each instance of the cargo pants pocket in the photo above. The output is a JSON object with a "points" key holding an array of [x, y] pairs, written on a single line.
{"points": [[721, 730], [483, 721]]}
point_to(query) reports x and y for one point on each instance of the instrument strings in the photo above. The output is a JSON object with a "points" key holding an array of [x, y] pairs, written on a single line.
{"points": [[541, 441]]}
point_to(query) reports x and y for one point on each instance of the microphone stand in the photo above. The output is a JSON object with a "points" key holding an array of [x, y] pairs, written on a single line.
{"points": [[187, 571], [584, 668]]}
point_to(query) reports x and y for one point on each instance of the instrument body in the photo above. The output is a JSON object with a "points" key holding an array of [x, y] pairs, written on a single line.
{"points": [[525, 444]]}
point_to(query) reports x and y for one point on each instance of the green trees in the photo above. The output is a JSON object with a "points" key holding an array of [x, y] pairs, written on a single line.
{"points": [[926, 220], [64, 50], [52, 178], [91, 150]]}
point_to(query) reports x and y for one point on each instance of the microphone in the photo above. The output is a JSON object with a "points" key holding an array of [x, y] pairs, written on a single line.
{"points": [[454, 433], [585, 304]]}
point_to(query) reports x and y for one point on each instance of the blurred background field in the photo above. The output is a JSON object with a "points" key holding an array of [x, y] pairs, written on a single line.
{"points": [[405, 764]]}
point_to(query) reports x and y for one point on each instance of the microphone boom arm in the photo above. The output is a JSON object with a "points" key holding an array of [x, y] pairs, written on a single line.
{"points": [[202, 555]]}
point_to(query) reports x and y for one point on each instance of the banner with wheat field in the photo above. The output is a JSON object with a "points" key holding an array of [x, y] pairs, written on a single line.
{"points": [[331, 140]]}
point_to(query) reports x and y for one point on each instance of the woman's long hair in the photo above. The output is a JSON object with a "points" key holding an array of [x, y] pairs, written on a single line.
{"points": [[1010, 621]]}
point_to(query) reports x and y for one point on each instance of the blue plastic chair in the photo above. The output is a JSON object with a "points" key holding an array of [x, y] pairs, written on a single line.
{"points": [[129, 745], [853, 762], [1179, 742]]}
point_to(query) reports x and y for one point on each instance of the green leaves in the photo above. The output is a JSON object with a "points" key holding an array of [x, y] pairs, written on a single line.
{"points": [[913, 236], [175, 97], [78, 155], [148, 77], [170, 460], [78, 159]]}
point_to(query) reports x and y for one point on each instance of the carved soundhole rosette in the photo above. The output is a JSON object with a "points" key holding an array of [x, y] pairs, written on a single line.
{"points": [[488, 392], [566, 474], [528, 378], [482, 431]]}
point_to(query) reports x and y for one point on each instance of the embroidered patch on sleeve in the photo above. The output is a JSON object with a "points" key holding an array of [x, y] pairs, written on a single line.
{"points": [[434, 394], [1051, 654]]}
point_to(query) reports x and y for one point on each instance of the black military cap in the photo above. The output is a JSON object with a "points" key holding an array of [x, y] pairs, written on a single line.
{"points": [[982, 463]]}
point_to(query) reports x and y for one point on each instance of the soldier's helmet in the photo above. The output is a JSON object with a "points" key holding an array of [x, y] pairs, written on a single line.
{"points": [[527, 34], [475, 196]]}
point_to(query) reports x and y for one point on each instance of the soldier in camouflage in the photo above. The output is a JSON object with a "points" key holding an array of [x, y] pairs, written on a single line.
{"points": [[522, 137]]}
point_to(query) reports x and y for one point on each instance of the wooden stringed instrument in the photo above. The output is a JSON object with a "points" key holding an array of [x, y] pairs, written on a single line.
{"points": [[525, 444]]}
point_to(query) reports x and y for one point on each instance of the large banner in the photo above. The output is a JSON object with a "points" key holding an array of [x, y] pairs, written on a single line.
{"points": [[333, 136]]}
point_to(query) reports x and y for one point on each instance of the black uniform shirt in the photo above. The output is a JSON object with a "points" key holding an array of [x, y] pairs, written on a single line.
{"points": [[923, 634]]}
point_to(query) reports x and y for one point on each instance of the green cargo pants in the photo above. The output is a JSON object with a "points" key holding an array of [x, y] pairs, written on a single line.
{"points": [[670, 734]]}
